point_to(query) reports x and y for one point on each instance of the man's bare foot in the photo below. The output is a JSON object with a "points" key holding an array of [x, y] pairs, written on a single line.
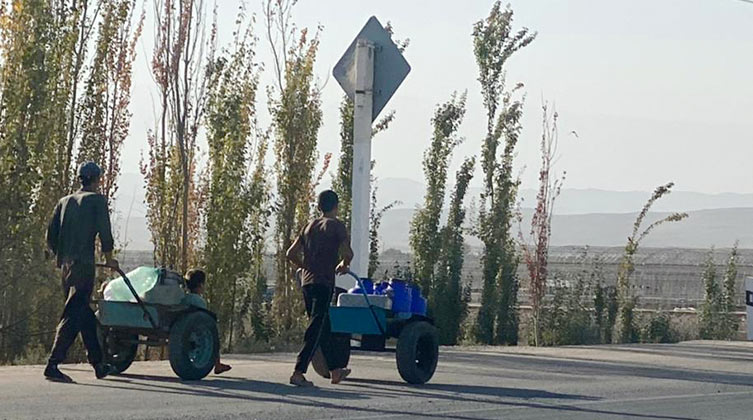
{"points": [[299, 380], [221, 368], [338, 375]]}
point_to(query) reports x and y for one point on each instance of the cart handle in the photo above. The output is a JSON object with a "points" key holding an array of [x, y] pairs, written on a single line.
{"points": [[366, 296], [133, 291]]}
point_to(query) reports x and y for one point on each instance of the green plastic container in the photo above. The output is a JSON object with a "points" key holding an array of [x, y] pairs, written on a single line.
{"points": [[142, 279], [355, 320], [125, 314]]}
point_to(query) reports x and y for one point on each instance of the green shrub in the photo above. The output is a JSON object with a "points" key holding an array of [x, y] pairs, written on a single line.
{"points": [[658, 329], [565, 319], [716, 319]]}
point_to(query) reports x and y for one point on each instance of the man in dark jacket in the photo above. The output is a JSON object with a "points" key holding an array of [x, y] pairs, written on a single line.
{"points": [[77, 220], [321, 245]]}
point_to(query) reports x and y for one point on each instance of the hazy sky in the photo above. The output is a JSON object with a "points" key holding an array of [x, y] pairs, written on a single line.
{"points": [[657, 90]]}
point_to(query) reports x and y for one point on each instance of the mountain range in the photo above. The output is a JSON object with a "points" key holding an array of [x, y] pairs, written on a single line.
{"points": [[582, 216]]}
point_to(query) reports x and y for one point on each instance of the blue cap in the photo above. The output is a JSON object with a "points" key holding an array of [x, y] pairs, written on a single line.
{"points": [[89, 170]]}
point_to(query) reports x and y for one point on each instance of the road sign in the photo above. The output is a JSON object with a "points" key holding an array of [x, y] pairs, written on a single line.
{"points": [[390, 67], [370, 72]]}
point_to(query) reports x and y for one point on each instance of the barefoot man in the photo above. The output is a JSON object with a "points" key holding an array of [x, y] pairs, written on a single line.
{"points": [[317, 250]]}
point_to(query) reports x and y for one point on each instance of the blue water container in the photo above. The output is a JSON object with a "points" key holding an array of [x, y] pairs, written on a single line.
{"points": [[369, 285], [401, 299], [418, 302], [381, 288], [419, 306]]}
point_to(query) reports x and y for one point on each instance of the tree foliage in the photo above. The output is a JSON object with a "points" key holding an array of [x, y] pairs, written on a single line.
{"points": [[236, 211], [494, 42], [375, 221], [716, 317], [44, 49], [424, 229], [730, 293], [536, 253], [181, 51], [342, 183], [449, 296], [295, 106], [626, 330], [438, 251], [105, 117]]}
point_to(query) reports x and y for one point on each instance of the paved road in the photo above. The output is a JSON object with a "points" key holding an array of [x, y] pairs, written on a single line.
{"points": [[694, 380]]}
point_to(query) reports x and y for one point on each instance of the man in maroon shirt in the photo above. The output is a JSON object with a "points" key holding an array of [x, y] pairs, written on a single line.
{"points": [[322, 248]]}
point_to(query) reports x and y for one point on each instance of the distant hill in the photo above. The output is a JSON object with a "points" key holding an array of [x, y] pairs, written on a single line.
{"points": [[703, 228], [572, 201], [584, 216]]}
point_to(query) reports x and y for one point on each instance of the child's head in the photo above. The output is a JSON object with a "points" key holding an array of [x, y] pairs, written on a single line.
{"points": [[195, 280], [327, 202]]}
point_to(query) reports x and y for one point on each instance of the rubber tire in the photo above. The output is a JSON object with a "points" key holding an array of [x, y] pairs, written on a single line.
{"points": [[417, 352], [320, 364], [126, 352], [340, 343], [178, 345], [341, 346]]}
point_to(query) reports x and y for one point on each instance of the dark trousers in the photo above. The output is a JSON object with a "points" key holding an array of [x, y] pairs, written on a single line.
{"points": [[77, 317], [317, 298]]}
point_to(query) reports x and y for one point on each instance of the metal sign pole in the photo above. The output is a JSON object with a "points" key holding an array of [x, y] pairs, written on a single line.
{"points": [[361, 188], [749, 306]]}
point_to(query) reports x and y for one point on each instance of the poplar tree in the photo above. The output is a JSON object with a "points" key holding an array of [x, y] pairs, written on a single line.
{"points": [[104, 116], [494, 42], [730, 294], [424, 229], [626, 331], [709, 316], [536, 253], [438, 251], [181, 51], [449, 296], [236, 212], [295, 107], [44, 47], [37, 40]]}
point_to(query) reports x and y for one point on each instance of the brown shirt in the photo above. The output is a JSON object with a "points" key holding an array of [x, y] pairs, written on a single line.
{"points": [[321, 240], [76, 222]]}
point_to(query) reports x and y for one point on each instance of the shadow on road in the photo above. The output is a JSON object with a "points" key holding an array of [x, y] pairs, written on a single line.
{"points": [[356, 389], [480, 394], [470, 393], [546, 365], [684, 350], [217, 386]]}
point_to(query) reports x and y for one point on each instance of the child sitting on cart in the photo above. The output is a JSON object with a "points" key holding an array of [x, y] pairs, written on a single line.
{"points": [[195, 280]]}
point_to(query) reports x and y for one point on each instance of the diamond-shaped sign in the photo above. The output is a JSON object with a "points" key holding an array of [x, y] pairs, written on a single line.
{"points": [[390, 67]]}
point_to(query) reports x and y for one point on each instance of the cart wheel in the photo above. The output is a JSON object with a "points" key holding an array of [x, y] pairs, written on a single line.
{"points": [[320, 364], [118, 349], [340, 344], [194, 345], [417, 352]]}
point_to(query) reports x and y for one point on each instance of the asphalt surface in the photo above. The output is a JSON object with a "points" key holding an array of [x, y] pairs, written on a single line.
{"points": [[693, 380]]}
